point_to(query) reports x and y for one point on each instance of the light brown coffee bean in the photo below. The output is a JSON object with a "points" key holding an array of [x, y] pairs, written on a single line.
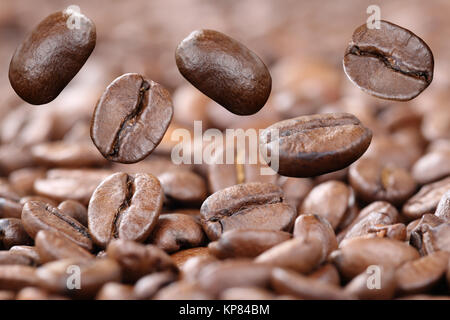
{"points": [[432, 166], [359, 286], [327, 273], [32, 293], [75, 210], [147, 286], [15, 258], [16, 277], [181, 257], [183, 290], [183, 187], [29, 251], [10, 208], [115, 291], [443, 208], [246, 293]]}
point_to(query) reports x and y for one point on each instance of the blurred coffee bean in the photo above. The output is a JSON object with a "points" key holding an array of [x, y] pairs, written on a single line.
{"points": [[16, 277], [147, 286], [180, 258], [23, 179], [431, 167], [327, 273], [12, 233], [183, 187], [383, 290], [443, 208], [115, 291]]}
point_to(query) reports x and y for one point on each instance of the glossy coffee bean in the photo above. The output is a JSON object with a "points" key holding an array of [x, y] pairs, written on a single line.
{"points": [[12, 233], [246, 243], [15, 258], [131, 118], [420, 234], [147, 286], [183, 290], [246, 206], [124, 206], [443, 208], [177, 231], [75, 210], [38, 216], [327, 273], [29, 251], [224, 70], [359, 288], [374, 182], [429, 238], [389, 63], [316, 144], [183, 187], [16, 277], [181, 257], [51, 55], [432, 166]]}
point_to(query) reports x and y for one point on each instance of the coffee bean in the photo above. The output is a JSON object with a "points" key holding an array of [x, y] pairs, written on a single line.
{"points": [[29, 251], [246, 206], [137, 260], [13, 258], [224, 70], [374, 182], [50, 56], [426, 200], [13, 233], [115, 291], [183, 187], [49, 201], [149, 285], [443, 208], [38, 215], [390, 62], [421, 275], [327, 273], [366, 224], [431, 238], [332, 200], [32, 293], [246, 293], [192, 267], [124, 206], [359, 288], [420, 228], [10, 208], [246, 243], [432, 166], [316, 144], [94, 273], [75, 210], [7, 295], [131, 118], [181, 257], [22, 180], [355, 255], [183, 290], [16, 277], [51, 245]]}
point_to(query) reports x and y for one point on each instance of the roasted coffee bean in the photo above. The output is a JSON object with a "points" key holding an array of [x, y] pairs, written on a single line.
{"points": [[29, 251], [426, 200], [49, 201], [7, 295], [115, 291], [13, 233], [418, 229], [443, 208], [428, 238], [367, 224], [316, 144], [432, 166], [390, 62], [328, 274], [51, 55], [75, 210], [177, 231], [11, 258], [246, 206], [138, 260], [224, 70], [131, 118], [37, 215], [181, 257], [246, 293], [295, 189], [394, 231], [124, 206], [246, 243], [183, 290], [183, 187], [7, 191], [51, 245], [421, 275], [374, 182], [32, 293], [332, 200], [10, 208], [297, 285], [16, 277], [22, 180], [359, 286], [94, 273], [149, 285], [355, 255]]}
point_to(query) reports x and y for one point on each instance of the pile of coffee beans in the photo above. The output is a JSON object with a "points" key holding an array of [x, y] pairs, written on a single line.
{"points": [[93, 205]]}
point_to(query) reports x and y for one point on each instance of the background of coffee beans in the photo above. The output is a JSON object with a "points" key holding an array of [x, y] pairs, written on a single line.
{"points": [[46, 154]]}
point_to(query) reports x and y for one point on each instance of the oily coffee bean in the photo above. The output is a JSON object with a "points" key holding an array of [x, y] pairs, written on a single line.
{"points": [[316, 144], [13, 233], [224, 70], [37, 215], [16, 277], [177, 231], [75, 210], [443, 208], [131, 118], [421, 275], [115, 291], [355, 255], [125, 206], [390, 62], [13, 258], [147, 286], [94, 273], [181, 257], [138, 260], [183, 187], [426, 200], [51, 55], [359, 288], [246, 206], [332, 200], [51, 245], [246, 243], [374, 182]]}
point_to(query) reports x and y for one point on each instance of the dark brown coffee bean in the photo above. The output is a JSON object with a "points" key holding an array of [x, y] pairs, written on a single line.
{"points": [[10, 208], [224, 70], [246, 206], [177, 231], [389, 63], [419, 232], [29, 251], [431, 238], [359, 286], [16, 277], [38, 215], [327, 273], [131, 118], [115, 291], [332, 200], [366, 224], [432, 166], [138, 260], [443, 208], [246, 243], [149, 285], [51, 55], [355, 255], [374, 182], [52, 245], [12, 258], [426, 200], [94, 273], [13, 233], [75, 210], [297, 285], [183, 187], [316, 144], [183, 290], [124, 206], [421, 275], [181, 257]]}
